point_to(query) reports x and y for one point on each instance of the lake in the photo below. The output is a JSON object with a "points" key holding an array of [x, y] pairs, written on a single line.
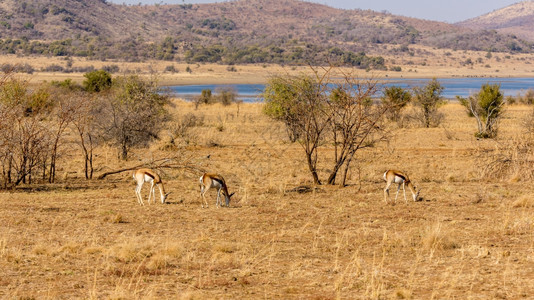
{"points": [[452, 87]]}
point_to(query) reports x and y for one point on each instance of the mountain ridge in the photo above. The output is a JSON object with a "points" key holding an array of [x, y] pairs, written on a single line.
{"points": [[516, 19], [283, 31]]}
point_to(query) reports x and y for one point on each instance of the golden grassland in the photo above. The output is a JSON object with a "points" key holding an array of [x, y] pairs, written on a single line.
{"points": [[419, 62], [470, 238]]}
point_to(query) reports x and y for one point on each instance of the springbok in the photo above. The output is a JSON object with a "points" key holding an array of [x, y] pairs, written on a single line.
{"points": [[208, 181], [400, 178], [147, 175]]}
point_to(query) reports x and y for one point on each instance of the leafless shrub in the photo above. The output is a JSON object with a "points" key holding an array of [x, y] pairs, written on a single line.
{"points": [[171, 69], [133, 114], [528, 97], [25, 132], [510, 100], [205, 97], [85, 125], [449, 133], [53, 68], [226, 95], [111, 68], [182, 128], [18, 68], [512, 160], [355, 122]]}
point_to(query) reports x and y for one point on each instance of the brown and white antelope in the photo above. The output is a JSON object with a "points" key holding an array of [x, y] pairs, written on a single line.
{"points": [[400, 178], [147, 175], [208, 181]]}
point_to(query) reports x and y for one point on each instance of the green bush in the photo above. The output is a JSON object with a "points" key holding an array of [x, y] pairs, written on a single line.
{"points": [[486, 107], [427, 100], [395, 98], [97, 81]]}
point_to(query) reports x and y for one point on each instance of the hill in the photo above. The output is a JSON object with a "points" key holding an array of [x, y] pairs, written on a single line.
{"points": [[245, 31], [516, 19]]}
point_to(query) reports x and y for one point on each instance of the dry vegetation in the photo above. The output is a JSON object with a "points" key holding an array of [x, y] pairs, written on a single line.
{"points": [[251, 31], [417, 62], [506, 20], [470, 237]]}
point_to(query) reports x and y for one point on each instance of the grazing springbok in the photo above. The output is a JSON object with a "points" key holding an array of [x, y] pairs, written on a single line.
{"points": [[400, 178], [147, 175], [208, 181]]}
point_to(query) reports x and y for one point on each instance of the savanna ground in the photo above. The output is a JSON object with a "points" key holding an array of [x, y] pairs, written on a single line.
{"points": [[470, 237]]}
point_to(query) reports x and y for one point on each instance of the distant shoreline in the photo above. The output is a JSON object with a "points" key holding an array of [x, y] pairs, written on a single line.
{"points": [[198, 79], [439, 66], [213, 80]]}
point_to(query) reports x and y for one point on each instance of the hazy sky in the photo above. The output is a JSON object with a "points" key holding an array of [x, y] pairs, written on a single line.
{"points": [[439, 10]]}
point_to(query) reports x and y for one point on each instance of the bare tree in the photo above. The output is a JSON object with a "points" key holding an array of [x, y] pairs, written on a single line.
{"points": [[31, 145], [311, 106], [226, 95], [84, 122], [356, 121], [65, 110], [133, 113], [25, 137]]}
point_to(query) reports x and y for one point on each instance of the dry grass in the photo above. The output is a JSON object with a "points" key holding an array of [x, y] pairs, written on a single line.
{"points": [[470, 237], [524, 201]]}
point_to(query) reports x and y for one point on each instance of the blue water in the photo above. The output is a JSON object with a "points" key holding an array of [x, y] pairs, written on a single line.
{"points": [[452, 87], [245, 92]]}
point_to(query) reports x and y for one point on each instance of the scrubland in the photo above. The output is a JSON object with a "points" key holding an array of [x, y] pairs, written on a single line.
{"points": [[420, 62], [470, 237]]}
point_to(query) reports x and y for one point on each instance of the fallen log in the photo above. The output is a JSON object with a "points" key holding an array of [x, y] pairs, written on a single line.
{"points": [[157, 164]]}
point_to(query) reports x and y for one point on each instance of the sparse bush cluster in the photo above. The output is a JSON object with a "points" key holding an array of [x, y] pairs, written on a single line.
{"points": [[26, 31], [316, 111], [486, 106], [479, 41], [125, 112], [33, 122], [219, 24], [223, 95], [425, 100], [171, 69], [60, 69], [181, 129], [526, 98], [18, 68], [513, 160], [291, 54], [344, 114]]}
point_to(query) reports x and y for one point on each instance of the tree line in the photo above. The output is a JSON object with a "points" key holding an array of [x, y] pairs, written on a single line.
{"points": [[173, 49]]}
